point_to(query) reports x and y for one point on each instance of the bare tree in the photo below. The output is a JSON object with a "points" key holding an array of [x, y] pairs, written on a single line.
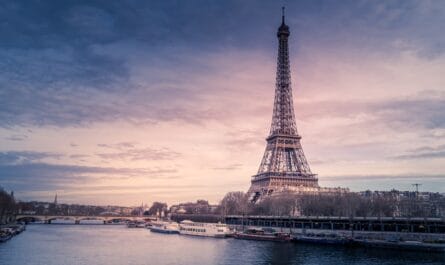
{"points": [[351, 204], [157, 207], [234, 202], [8, 205]]}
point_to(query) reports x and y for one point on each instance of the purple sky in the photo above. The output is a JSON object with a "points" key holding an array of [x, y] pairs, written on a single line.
{"points": [[112, 102]]}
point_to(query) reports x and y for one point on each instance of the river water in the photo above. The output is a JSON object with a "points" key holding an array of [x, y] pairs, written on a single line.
{"points": [[117, 245]]}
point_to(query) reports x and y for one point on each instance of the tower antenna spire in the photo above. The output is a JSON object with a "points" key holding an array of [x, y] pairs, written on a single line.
{"points": [[282, 14]]}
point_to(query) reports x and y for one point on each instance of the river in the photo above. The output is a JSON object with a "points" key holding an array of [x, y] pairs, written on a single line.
{"points": [[117, 245]]}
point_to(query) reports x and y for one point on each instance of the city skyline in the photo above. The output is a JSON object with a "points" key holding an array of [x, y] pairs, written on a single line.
{"points": [[120, 103]]}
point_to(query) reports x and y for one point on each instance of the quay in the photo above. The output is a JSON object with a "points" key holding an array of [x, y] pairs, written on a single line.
{"points": [[366, 227], [421, 234]]}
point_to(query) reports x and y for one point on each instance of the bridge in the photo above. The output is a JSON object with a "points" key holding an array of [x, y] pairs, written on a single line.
{"points": [[47, 219]]}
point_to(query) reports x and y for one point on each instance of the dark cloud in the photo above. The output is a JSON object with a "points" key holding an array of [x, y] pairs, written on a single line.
{"points": [[79, 156], [70, 63], [24, 157], [46, 177]]}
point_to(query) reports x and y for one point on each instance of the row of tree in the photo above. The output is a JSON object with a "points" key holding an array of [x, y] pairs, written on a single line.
{"points": [[336, 204], [8, 206], [376, 204]]}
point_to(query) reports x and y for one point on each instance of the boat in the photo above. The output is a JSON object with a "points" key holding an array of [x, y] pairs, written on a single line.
{"points": [[136, 225], [5, 234], [330, 239], [164, 227], [140, 225], [4, 237], [131, 225], [262, 235], [191, 228]]}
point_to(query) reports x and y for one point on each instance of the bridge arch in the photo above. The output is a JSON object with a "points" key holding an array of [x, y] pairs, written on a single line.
{"points": [[50, 219], [92, 218], [29, 219]]}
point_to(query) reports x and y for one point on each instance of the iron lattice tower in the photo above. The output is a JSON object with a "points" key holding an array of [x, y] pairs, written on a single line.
{"points": [[284, 166]]}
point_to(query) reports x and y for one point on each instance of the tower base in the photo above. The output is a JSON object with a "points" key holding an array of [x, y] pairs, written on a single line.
{"points": [[276, 185]]}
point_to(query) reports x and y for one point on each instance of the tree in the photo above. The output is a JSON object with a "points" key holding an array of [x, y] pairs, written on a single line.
{"points": [[282, 204], [157, 207], [234, 202], [8, 205]]}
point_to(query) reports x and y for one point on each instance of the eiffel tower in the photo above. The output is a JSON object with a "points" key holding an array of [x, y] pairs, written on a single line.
{"points": [[284, 166]]}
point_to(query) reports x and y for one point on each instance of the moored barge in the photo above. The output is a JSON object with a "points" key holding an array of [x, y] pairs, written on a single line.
{"points": [[261, 235]]}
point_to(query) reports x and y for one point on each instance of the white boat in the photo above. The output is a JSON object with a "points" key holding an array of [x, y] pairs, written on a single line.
{"points": [[164, 227], [191, 228]]}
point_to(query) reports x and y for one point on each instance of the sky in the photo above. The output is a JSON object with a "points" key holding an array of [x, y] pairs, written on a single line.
{"points": [[123, 102]]}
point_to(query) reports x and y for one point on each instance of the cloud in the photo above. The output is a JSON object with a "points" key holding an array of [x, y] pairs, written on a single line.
{"points": [[77, 64], [424, 152], [229, 167], [430, 182], [25, 157], [118, 146], [243, 139], [147, 153], [397, 113], [392, 177], [79, 156], [43, 176], [17, 137], [129, 151]]}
